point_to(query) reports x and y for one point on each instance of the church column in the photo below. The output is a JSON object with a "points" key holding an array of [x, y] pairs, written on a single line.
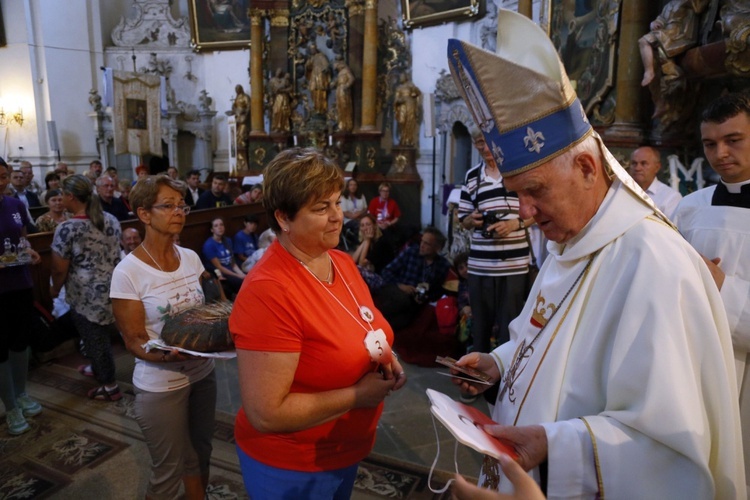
{"points": [[628, 128], [524, 7], [256, 72], [369, 65]]}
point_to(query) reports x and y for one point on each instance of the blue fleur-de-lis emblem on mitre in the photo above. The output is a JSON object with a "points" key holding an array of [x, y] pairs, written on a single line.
{"points": [[498, 154], [534, 141]]}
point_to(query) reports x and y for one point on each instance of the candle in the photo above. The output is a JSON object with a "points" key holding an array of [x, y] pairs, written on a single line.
{"points": [[330, 140], [295, 140]]}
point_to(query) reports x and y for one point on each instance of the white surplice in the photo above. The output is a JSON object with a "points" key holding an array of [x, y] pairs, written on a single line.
{"points": [[722, 231], [632, 378]]}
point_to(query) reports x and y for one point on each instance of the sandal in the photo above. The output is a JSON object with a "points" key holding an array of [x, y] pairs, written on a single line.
{"points": [[103, 394], [86, 370]]}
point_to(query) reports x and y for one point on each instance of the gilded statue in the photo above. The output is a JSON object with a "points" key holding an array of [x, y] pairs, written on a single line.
{"points": [[343, 83], [735, 26], [318, 74], [673, 32], [241, 112], [280, 89], [407, 104]]}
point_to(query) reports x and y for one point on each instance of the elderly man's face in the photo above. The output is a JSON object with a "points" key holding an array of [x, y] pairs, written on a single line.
{"points": [[96, 168], [484, 152], [644, 165], [105, 186], [428, 246], [130, 240], [557, 197]]}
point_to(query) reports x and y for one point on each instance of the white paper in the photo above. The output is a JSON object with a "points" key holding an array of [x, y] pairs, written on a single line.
{"points": [[159, 344]]}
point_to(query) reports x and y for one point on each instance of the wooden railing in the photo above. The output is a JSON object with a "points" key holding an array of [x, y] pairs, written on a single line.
{"points": [[194, 234]]}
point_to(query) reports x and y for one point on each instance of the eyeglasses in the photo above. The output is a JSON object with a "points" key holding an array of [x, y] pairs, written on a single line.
{"points": [[173, 208]]}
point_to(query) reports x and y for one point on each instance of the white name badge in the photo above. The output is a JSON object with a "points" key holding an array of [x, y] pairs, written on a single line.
{"points": [[378, 347]]}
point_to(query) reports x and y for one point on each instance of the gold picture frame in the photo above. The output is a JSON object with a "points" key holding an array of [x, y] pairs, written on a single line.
{"points": [[418, 13], [219, 24]]}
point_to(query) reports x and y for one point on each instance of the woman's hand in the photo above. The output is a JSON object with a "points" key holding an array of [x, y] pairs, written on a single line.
{"points": [[372, 389], [525, 487], [35, 257], [394, 370], [479, 361]]}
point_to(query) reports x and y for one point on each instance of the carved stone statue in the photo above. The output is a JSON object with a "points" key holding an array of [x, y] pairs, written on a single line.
{"points": [[241, 112], [344, 81], [95, 100], [318, 74], [280, 90], [407, 104], [205, 100], [488, 28]]}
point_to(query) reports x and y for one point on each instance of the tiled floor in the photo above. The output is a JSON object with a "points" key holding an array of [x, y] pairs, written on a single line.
{"points": [[406, 430]]}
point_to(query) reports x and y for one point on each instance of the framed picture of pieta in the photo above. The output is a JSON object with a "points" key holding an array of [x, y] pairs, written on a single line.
{"points": [[427, 12], [219, 24], [585, 34]]}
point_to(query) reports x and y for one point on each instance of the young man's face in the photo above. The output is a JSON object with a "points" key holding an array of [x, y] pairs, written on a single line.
{"points": [[193, 181], [218, 186], [727, 147], [18, 180]]}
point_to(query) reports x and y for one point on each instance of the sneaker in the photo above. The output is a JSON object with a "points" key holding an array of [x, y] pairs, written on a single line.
{"points": [[103, 394], [28, 405], [16, 423]]}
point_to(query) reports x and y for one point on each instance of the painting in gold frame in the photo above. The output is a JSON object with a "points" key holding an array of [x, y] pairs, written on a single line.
{"points": [[428, 12], [219, 24]]}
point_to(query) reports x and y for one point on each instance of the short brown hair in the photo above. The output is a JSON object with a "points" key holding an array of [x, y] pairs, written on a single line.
{"points": [[295, 177], [146, 190]]}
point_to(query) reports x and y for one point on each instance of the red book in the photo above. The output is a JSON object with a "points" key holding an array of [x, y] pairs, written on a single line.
{"points": [[463, 422]]}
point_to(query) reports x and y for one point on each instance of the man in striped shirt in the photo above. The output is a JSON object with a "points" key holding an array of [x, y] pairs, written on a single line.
{"points": [[499, 254]]}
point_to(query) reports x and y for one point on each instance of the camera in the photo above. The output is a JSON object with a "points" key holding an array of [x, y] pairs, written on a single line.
{"points": [[420, 295], [490, 217]]}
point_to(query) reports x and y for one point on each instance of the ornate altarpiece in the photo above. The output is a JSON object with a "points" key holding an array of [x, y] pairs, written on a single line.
{"points": [[345, 32]]}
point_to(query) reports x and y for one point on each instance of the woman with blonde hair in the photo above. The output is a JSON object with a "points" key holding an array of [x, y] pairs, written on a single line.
{"points": [[313, 352], [85, 251], [175, 394]]}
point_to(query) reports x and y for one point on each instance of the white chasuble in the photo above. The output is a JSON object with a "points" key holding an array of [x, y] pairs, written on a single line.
{"points": [[632, 376], [724, 232]]}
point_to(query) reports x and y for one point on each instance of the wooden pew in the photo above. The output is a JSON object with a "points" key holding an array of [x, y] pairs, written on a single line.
{"points": [[196, 231]]}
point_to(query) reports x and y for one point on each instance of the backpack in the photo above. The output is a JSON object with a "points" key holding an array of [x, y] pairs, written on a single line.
{"points": [[446, 311]]}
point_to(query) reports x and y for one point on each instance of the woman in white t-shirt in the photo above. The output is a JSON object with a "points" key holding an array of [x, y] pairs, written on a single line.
{"points": [[175, 394]]}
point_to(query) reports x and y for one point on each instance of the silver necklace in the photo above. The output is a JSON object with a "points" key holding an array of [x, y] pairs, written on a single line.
{"points": [[364, 312]]}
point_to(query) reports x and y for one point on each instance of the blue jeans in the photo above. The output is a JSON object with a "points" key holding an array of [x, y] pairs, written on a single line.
{"points": [[264, 482]]}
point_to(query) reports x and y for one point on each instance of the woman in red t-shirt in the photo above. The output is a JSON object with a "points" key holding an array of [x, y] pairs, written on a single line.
{"points": [[314, 354]]}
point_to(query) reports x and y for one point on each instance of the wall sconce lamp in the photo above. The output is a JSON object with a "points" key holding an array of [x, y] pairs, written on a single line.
{"points": [[8, 118]]}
